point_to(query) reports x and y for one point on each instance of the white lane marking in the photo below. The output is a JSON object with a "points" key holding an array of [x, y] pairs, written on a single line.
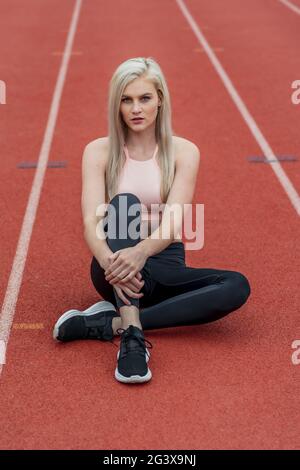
{"points": [[2, 352], [256, 132], [290, 5], [16, 274]]}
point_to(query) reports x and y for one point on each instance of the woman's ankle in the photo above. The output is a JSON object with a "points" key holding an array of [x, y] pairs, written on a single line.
{"points": [[137, 323], [130, 316], [116, 324]]}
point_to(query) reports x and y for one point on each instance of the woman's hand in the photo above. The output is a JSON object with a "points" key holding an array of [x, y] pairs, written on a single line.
{"points": [[131, 288], [125, 264]]}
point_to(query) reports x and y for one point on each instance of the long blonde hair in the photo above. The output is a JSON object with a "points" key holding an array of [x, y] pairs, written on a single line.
{"points": [[117, 129]]}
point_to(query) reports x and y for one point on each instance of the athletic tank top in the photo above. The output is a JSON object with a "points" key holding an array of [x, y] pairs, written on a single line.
{"points": [[143, 178]]}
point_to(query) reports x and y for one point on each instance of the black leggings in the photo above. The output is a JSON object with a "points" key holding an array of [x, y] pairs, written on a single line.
{"points": [[174, 294]]}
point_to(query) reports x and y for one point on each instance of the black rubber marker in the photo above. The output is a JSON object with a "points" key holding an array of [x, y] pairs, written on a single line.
{"points": [[280, 158], [34, 165]]}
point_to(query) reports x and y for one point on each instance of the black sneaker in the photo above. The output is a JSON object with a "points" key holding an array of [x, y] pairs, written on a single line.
{"points": [[132, 363], [93, 323]]}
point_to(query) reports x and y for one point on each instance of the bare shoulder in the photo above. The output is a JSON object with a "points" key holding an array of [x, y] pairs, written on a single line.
{"points": [[185, 148], [100, 142], [97, 149]]}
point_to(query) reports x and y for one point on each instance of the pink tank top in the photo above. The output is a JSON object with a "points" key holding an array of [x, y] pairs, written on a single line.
{"points": [[143, 178]]}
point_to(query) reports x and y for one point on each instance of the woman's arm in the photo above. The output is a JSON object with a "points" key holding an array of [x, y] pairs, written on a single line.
{"points": [[181, 193], [93, 195], [93, 198]]}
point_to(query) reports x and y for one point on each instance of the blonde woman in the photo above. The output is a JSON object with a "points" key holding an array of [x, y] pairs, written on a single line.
{"points": [[129, 180]]}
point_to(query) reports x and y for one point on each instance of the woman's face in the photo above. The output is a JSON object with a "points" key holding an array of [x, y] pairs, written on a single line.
{"points": [[139, 99]]}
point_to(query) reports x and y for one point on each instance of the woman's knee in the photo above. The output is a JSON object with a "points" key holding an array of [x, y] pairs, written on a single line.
{"points": [[96, 274], [131, 198], [123, 209], [103, 287], [240, 287], [119, 205]]}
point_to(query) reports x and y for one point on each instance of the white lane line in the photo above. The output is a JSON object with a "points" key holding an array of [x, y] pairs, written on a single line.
{"points": [[16, 274], [291, 6], [2, 352], [256, 132]]}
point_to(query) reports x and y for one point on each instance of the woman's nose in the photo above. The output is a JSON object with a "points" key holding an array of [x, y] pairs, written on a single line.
{"points": [[136, 106]]}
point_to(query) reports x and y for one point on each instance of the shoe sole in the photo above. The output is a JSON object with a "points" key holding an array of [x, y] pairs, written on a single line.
{"points": [[133, 378], [99, 307]]}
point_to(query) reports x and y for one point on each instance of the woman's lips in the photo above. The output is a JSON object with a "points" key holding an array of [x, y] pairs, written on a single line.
{"points": [[137, 120]]}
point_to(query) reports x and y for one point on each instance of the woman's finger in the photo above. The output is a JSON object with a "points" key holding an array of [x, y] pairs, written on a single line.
{"points": [[114, 264], [135, 286], [121, 295], [136, 295], [118, 273], [131, 286], [128, 274], [137, 283], [117, 280], [124, 276], [113, 273]]}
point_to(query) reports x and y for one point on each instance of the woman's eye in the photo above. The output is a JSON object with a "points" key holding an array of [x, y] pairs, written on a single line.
{"points": [[144, 98]]}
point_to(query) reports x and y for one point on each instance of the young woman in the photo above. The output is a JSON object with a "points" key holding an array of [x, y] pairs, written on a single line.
{"points": [[142, 275]]}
